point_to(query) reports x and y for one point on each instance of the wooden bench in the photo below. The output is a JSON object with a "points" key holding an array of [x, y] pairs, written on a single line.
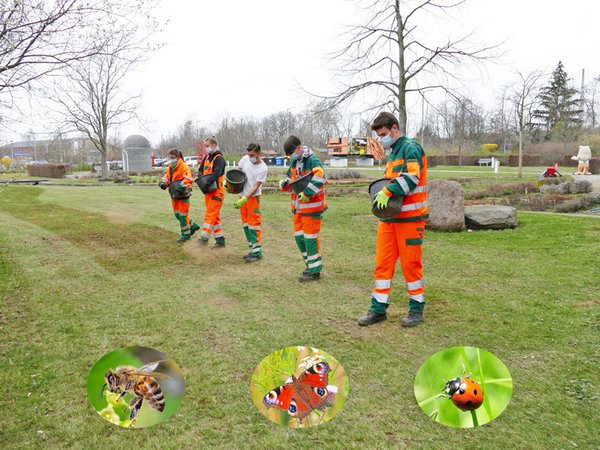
{"points": [[484, 161]]}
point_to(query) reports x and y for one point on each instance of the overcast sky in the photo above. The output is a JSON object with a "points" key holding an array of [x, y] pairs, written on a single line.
{"points": [[247, 58]]}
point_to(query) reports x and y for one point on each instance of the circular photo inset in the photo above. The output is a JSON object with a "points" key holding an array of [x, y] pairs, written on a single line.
{"points": [[463, 387], [299, 387], [135, 387]]}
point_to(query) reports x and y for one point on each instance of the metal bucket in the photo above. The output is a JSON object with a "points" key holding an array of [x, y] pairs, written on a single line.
{"points": [[299, 184], [394, 205], [236, 179]]}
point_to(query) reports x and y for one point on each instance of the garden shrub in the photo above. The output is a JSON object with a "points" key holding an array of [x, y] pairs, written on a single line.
{"points": [[582, 203], [344, 174], [568, 187], [528, 160], [48, 170]]}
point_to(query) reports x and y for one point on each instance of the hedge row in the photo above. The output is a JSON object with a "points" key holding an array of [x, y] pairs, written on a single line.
{"points": [[48, 170]]}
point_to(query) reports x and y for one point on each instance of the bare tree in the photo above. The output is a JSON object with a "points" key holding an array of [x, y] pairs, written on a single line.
{"points": [[386, 57], [38, 37], [524, 96], [592, 103], [91, 97], [501, 119]]}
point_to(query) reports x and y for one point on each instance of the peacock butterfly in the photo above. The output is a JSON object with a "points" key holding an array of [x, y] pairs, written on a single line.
{"points": [[300, 396]]}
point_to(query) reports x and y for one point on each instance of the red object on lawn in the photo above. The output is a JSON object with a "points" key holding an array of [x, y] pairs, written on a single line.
{"points": [[552, 171]]}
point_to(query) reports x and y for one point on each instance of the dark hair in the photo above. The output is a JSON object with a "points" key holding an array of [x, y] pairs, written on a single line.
{"points": [[176, 152], [290, 144], [253, 147], [212, 140], [384, 119]]}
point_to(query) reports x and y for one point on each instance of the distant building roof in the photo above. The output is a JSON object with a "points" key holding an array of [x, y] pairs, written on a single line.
{"points": [[31, 144], [25, 144]]}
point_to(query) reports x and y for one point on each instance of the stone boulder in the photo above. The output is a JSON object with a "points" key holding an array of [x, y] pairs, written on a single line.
{"points": [[446, 202], [497, 217]]}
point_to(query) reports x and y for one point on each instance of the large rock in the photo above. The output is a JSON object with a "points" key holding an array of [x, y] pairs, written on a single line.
{"points": [[446, 202], [480, 217]]}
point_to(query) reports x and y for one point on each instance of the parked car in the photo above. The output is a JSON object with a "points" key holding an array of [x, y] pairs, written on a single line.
{"points": [[114, 165], [158, 162], [191, 161]]}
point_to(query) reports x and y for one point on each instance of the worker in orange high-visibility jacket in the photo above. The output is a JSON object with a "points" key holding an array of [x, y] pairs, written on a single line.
{"points": [[211, 174], [308, 206], [401, 236], [178, 179]]}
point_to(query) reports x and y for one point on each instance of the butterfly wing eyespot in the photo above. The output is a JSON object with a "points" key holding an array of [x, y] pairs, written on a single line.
{"points": [[316, 376], [321, 392], [293, 409], [279, 398]]}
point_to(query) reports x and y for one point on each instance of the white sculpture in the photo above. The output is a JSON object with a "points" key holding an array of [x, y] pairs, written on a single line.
{"points": [[583, 160]]}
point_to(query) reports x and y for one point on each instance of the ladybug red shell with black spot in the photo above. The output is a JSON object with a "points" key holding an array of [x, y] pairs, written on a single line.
{"points": [[465, 393]]}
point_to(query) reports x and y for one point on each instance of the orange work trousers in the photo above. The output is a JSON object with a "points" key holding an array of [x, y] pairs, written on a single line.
{"points": [[181, 209], [399, 240], [306, 233], [251, 222], [212, 215]]}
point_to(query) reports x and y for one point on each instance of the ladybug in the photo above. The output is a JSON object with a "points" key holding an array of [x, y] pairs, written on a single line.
{"points": [[465, 393]]}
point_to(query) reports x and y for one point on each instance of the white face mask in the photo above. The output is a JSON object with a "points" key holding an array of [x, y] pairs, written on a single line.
{"points": [[387, 140], [210, 150], [253, 159], [173, 160]]}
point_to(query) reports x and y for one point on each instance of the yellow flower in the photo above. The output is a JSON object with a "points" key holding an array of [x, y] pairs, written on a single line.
{"points": [[110, 415]]}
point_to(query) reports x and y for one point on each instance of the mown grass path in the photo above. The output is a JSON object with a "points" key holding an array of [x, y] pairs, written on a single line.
{"points": [[86, 270]]}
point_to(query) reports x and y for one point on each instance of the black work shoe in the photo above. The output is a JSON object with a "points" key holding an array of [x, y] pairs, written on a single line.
{"points": [[252, 258], [203, 242], [220, 243], [371, 318], [181, 240], [412, 319], [306, 272], [309, 277], [194, 228]]}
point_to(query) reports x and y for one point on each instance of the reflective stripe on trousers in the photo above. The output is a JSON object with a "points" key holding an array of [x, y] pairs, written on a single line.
{"points": [[251, 222], [306, 234], [180, 210], [399, 240], [212, 215]]}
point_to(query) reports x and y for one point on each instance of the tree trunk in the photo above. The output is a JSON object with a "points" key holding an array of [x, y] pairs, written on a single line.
{"points": [[402, 72], [104, 169], [520, 172]]}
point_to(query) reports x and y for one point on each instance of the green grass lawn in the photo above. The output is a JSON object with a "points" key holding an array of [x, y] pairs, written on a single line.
{"points": [[85, 270]]}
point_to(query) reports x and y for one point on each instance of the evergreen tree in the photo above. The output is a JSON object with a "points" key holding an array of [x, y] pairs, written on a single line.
{"points": [[559, 110]]}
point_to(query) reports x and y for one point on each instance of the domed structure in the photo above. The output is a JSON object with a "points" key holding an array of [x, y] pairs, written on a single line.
{"points": [[136, 141], [137, 154]]}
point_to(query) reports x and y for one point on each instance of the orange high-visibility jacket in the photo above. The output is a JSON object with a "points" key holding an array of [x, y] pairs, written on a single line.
{"points": [[407, 170], [208, 167], [315, 189], [180, 172]]}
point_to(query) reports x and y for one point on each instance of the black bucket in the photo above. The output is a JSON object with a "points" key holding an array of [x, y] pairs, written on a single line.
{"points": [[174, 190], [236, 179], [299, 184], [394, 205]]}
